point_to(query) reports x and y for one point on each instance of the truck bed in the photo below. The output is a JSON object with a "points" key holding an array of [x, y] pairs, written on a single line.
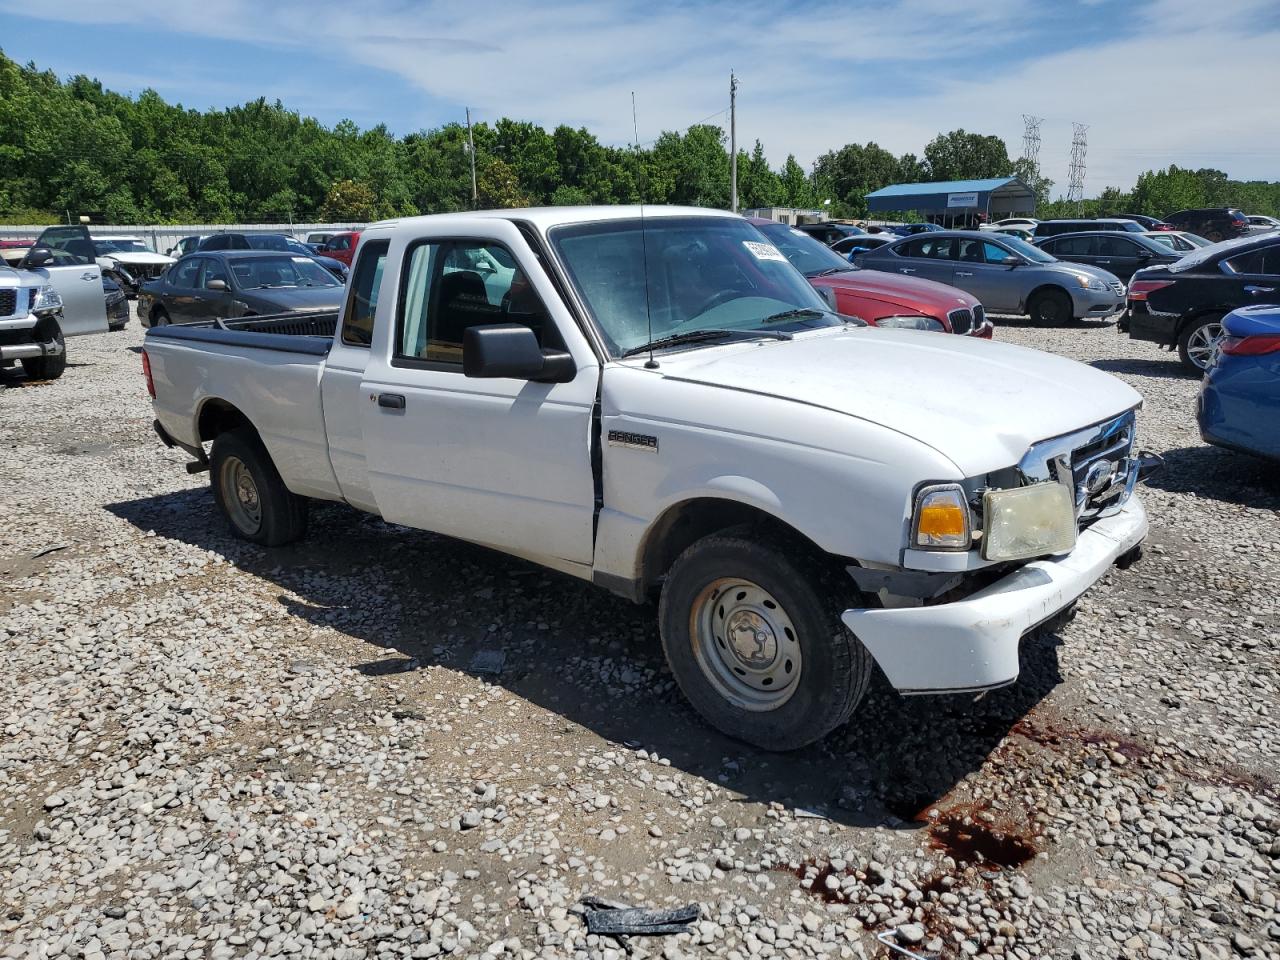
{"points": [[266, 368], [310, 333]]}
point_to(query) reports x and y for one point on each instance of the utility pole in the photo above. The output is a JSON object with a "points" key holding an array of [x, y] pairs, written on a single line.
{"points": [[471, 152], [733, 143]]}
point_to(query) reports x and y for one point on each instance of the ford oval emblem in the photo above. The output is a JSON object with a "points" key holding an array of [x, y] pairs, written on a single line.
{"points": [[1098, 477]]}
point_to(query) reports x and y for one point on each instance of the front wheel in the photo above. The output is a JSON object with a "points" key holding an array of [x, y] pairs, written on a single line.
{"points": [[248, 489], [1197, 342], [1050, 308], [753, 636], [52, 366]]}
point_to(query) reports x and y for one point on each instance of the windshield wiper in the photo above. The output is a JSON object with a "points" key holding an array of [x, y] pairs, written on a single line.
{"points": [[829, 271], [701, 336], [793, 314]]}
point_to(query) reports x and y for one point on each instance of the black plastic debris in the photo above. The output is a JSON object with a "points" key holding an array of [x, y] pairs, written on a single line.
{"points": [[619, 920]]}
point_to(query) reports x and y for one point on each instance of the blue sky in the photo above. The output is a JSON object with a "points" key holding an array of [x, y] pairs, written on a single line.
{"points": [[1158, 81]]}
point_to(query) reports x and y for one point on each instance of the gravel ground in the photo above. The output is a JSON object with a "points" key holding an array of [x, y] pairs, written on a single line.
{"points": [[215, 750]]}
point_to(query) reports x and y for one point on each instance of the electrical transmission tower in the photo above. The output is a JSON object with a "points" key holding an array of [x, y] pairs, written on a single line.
{"points": [[1075, 176], [1031, 142]]}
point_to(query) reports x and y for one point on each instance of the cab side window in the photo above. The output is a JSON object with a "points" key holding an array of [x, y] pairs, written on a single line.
{"points": [[450, 286], [185, 272], [362, 300]]}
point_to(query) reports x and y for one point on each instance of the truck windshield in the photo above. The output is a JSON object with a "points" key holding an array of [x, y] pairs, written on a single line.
{"points": [[700, 273], [258, 272]]}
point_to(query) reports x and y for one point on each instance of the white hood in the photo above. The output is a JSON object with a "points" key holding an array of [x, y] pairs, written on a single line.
{"points": [[979, 403], [135, 259]]}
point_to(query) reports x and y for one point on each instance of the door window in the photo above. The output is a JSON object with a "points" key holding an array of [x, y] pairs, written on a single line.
{"points": [[1074, 247], [362, 301], [185, 273], [450, 286], [214, 270], [1264, 261], [1116, 247]]}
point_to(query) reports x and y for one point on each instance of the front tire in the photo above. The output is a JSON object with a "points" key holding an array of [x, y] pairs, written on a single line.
{"points": [[754, 638], [1051, 308], [248, 489], [49, 367], [1196, 343]]}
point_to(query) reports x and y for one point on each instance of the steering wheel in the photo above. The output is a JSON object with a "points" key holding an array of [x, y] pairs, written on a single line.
{"points": [[713, 301]]}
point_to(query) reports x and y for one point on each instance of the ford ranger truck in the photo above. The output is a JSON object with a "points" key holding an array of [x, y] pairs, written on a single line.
{"points": [[654, 400]]}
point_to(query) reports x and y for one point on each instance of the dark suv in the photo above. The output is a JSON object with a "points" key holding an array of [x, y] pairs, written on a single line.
{"points": [[1051, 228], [1111, 250], [1182, 304], [1212, 223], [829, 233]]}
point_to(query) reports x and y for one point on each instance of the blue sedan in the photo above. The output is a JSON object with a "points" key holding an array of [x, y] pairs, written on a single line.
{"points": [[1239, 403]]}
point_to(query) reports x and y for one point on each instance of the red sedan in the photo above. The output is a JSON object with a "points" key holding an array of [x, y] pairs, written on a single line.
{"points": [[881, 299], [341, 246]]}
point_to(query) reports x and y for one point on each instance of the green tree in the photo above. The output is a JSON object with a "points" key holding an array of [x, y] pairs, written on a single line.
{"points": [[960, 155], [796, 189], [758, 185], [498, 186], [348, 200]]}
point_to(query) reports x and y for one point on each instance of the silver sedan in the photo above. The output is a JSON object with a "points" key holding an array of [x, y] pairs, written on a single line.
{"points": [[1007, 274]]}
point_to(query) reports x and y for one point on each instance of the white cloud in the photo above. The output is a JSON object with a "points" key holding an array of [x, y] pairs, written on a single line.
{"points": [[1174, 81]]}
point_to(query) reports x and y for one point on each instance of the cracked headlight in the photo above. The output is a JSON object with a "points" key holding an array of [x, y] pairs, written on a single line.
{"points": [[47, 300]]}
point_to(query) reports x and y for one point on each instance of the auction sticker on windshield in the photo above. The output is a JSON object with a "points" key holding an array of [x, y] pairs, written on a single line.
{"points": [[764, 251]]}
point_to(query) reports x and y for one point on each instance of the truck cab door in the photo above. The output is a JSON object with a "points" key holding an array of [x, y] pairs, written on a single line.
{"points": [[503, 462], [75, 274]]}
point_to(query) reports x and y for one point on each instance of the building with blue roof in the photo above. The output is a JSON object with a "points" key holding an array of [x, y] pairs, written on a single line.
{"points": [[949, 201]]}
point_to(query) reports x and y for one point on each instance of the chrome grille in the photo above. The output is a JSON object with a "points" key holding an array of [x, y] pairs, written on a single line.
{"points": [[979, 316], [1097, 463], [1116, 286], [8, 302], [961, 321]]}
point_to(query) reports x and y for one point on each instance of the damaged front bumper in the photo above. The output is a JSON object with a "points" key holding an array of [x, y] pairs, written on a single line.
{"points": [[972, 644]]}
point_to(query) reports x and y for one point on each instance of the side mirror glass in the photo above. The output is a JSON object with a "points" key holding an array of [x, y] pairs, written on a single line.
{"points": [[511, 350], [37, 257], [216, 285]]}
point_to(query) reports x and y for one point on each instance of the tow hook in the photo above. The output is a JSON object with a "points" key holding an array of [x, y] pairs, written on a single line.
{"points": [[1149, 464]]}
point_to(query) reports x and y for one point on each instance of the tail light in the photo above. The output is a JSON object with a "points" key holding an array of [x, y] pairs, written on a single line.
{"points": [[146, 372], [1250, 346], [1239, 222], [1138, 289]]}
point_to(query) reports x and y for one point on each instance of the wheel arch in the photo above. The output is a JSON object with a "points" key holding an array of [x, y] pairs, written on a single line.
{"points": [[1192, 317], [216, 416], [1044, 287], [682, 524]]}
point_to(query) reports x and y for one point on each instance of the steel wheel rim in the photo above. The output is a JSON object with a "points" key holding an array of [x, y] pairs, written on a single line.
{"points": [[745, 644], [240, 494], [1202, 342]]}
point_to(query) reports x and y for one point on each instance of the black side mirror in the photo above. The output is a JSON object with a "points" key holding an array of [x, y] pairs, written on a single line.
{"points": [[37, 257], [1145, 254], [510, 350], [216, 285]]}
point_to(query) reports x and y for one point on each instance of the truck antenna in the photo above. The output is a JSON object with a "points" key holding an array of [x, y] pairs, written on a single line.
{"points": [[650, 364]]}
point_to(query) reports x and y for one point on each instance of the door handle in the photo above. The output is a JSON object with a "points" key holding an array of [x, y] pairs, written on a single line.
{"points": [[1252, 288], [908, 269], [391, 401], [963, 273], [87, 275], [1104, 261]]}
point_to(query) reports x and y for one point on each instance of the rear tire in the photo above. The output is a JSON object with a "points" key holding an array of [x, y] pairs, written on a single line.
{"points": [[1196, 343], [1050, 308], [160, 317], [50, 367], [753, 636], [248, 489], [1214, 236]]}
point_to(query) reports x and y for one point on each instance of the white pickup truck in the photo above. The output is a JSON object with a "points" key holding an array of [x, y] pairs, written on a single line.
{"points": [[656, 401]]}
